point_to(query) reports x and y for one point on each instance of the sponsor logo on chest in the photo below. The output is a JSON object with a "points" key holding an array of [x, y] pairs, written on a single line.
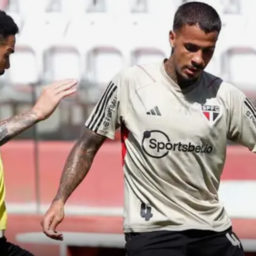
{"points": [[157, 144]]}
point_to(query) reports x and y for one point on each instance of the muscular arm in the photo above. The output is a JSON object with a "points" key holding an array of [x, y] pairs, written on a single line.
{"points": [[77, 166], [78, 163], [15, 125]]}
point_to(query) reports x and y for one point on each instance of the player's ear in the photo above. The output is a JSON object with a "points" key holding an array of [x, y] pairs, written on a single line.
{"points": [[172, 37]]}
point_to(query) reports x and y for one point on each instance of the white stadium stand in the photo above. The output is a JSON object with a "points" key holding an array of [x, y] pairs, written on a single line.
{"points": [[61, 61], [127, 32], [91, 40]]}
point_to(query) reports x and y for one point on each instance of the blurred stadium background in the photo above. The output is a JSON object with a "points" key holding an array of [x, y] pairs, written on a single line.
{"points": [[91, 40]]}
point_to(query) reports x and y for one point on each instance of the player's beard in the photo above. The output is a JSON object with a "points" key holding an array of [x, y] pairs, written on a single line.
{"points": [[185, 81]]}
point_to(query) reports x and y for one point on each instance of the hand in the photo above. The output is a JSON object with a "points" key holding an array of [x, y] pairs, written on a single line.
{"points": [[52, 218], [51, 96]]}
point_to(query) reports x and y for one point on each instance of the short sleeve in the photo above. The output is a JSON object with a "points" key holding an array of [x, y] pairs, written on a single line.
{"points": [[105, 117], [242, 127]]}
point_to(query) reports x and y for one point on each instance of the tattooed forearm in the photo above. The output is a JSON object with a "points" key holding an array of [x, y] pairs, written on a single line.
{"points": [[15, 125], [78, 163], [3, 134]]}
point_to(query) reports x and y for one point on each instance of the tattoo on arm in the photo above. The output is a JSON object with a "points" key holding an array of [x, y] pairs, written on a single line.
{"points": [[15, 125], [78, 163]]}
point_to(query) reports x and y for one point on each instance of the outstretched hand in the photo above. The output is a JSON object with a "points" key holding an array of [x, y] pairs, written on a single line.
{"points": [[52, 218], [51, 96]]}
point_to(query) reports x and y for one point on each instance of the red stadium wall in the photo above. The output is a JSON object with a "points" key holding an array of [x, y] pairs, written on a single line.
{"points": [[102, 188]]}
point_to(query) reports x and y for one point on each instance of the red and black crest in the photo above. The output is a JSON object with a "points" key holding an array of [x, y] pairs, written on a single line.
{"points": [[211, 112]]}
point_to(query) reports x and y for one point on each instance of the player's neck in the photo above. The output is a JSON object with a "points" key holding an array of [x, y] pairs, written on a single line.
{"points": [[172, 73]]}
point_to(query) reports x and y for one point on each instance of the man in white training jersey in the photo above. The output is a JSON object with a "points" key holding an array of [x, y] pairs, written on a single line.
{"points": [[175, 120]]}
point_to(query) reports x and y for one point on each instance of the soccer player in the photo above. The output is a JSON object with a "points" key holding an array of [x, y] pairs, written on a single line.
{"points": [[175, 120], [43, 108]]}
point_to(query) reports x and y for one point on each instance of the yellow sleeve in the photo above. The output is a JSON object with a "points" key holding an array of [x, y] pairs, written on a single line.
{"points": [[3, 213]]}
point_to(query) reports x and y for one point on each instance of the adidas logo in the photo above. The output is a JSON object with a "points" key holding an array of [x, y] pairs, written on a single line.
{"points": [[154, 111]]}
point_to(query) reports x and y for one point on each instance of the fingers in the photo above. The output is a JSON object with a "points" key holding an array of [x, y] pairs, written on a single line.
{"points": [[65, 88], [62, 85], [66, 84], [51, 96], [64, 92], [52, 219], [49, 225], [67, 92], [69, 86], [56, 235]]}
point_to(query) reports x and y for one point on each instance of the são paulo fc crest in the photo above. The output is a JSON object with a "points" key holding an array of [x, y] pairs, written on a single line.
{"points": [[211, 112]]}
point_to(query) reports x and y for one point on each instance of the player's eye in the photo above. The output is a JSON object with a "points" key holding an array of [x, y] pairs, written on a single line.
{"points": [[191, 47]]}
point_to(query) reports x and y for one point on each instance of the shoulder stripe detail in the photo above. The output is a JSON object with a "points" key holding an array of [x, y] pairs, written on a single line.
{"points": [[105, 105], [90, 124], [250, 106], [147, 73], [249, 102], [100, 106]]}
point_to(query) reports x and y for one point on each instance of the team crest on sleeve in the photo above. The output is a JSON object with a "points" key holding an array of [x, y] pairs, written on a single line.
{"points": [[211, 112]]}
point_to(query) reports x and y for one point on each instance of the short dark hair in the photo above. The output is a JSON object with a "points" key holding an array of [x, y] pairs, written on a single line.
{"points": [[193, 13], [7, 25]]}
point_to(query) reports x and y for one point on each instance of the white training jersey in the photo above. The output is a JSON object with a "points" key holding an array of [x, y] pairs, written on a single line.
{"points": [[174, 145]]}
